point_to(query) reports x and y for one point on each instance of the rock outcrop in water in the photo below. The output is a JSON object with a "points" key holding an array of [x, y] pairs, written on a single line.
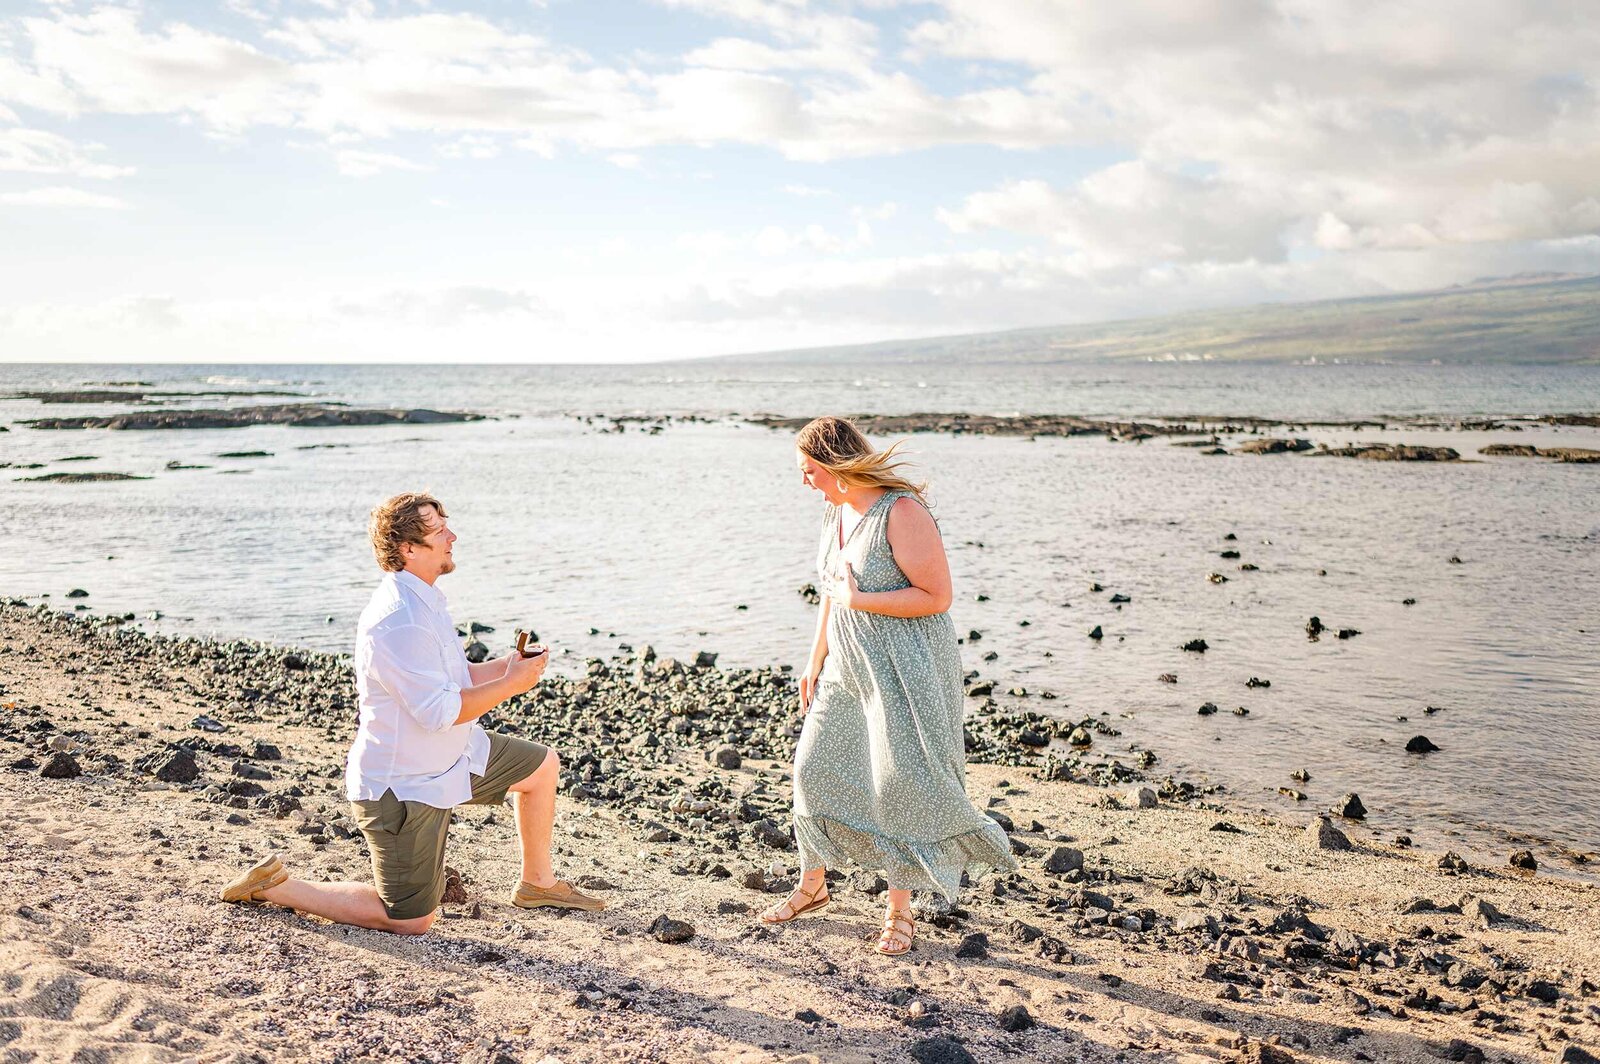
{"points": [[1391, 452], [1523, 450], [991, 425], [304, 415]]}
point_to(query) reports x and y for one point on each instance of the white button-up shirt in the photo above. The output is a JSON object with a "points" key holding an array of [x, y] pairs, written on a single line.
{"points": [[410, 672]]}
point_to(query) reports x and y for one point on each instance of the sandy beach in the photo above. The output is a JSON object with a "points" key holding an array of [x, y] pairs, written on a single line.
{"points": [[1139, 929]]}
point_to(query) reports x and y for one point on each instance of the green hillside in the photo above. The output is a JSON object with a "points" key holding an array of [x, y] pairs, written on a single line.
{"points": [[1510, 321]]}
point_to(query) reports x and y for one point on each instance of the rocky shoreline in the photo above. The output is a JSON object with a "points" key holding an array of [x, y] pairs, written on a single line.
{"points": [[1147, 922], [300, 415]]}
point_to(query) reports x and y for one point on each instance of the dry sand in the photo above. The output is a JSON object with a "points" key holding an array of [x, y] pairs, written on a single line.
{"points": [[113, 946]]}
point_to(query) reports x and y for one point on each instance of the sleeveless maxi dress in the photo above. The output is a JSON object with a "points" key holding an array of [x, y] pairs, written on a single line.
{"points": [[880, 768]]}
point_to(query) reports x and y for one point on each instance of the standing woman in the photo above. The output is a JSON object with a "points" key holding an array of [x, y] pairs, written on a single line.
{"points": [[880, 770]]}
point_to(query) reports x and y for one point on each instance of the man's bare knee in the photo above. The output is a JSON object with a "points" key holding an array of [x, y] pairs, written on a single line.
{"points": [[416, 926], [547, 774]]}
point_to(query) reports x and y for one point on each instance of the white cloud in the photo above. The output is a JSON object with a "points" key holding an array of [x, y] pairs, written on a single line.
{"points": [[38, 151], [61, 196], [354, 163]]}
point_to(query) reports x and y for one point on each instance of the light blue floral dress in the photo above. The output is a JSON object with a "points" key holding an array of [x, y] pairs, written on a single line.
{"points": [[880, 770]]}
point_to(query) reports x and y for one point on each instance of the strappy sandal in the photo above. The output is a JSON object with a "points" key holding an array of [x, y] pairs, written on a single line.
{"points": [[890, 938], [816, 901]]}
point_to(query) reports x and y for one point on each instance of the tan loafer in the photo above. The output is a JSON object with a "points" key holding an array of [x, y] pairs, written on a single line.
{"points": [[263, 875], [560, 895]]}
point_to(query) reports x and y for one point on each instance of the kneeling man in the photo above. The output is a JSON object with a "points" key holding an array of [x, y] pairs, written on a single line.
{"points": [[418, 750]]}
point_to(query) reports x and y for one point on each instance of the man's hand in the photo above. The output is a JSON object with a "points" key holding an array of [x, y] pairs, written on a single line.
{"points": [[524, 673]]}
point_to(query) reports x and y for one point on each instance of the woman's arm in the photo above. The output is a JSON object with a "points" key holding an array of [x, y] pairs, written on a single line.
{"points": [[819, 654], [919, 552]]}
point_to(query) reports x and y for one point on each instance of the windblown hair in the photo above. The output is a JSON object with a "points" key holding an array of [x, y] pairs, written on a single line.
{"points": [[838, 446], [396, 521]]}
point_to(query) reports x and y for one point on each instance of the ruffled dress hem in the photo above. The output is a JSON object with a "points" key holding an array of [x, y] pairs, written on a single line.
{"points": [[907, 864]]}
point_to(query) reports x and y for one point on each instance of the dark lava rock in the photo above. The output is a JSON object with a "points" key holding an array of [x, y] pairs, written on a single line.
{"points": [[1350, 807], [1256, 681], [808, 1016], [1031, 737], [1006, 823], [61, 766], [208, 724], [981, 689], [77, 592], [1016, 1018], [666, 929], [265, 752], [1349, 633], [1324, 836], [771, 834], [727, 756], [174, 765], [246, 771], [1064, 859], [1542, 990], [1080, 736], [1274, 445], [940, 1050], [974, 946], [1452, 862], [299, 414], [1420, 744], [1571, 1054], [1096, 633], [1524, 859], [1168, 677], [1314, 627], [1207, 708], [1024, 932], [1197, 646]]}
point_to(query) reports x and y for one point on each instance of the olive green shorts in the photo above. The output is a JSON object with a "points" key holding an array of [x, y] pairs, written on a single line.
{"points": [[407, 838]]}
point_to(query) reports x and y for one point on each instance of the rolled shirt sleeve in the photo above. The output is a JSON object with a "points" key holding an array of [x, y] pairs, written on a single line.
{"points": [[405, 661]]}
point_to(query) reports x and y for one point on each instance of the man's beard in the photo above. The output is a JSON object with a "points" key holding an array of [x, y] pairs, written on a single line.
{"points": [[448, 566]]}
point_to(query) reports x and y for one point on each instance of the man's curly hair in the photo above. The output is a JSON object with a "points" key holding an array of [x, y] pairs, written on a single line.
{"points": [[396, 521]]}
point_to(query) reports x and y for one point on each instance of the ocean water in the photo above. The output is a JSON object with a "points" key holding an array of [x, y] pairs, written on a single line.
{"points": [[600, 538]]}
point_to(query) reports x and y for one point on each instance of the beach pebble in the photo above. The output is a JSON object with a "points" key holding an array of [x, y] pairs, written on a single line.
{"points": [[61, 766], [1524, 860], [940, 1050], [1064, 859], [1571, 1054], [671, 931], [1141, 798], [974, 946], [1324, 836], [767, 832], [1016, 1018], [1350, 807], [727, 756], [1483, 911], [1452, 862]]}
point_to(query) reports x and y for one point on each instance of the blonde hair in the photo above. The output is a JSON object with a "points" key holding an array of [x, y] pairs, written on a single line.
{"points": [[396, 521], [838, 446]]}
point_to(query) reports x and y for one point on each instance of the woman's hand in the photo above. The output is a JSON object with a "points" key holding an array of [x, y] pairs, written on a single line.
{"points": [[849, 593], [808, 685]]}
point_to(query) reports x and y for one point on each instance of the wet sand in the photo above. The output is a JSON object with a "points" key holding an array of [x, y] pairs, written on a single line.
{"points": [[1178, 939]]}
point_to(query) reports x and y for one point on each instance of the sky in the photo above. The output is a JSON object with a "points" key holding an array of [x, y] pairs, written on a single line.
{"points": [[599, 181]]}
